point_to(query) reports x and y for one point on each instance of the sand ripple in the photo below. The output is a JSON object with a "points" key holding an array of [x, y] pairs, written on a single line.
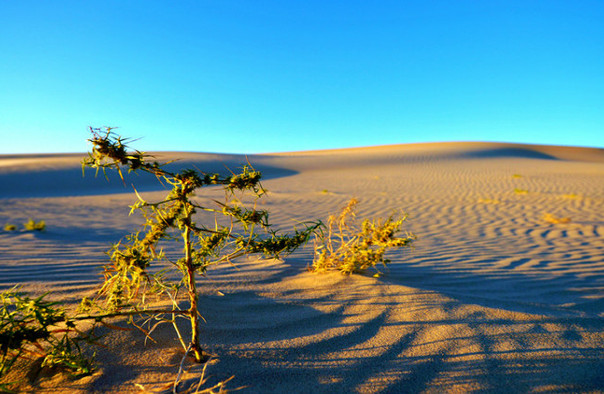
{"points": [[496, 296]]}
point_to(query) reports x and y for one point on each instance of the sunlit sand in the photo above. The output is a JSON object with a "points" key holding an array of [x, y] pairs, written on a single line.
{"points": [[503, 291]]}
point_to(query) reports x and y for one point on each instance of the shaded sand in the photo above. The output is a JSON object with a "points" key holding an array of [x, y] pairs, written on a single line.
{"points": [[496, 296]]}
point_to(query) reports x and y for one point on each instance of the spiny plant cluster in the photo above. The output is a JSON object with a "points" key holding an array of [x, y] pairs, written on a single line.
{"points": [[237, 230], [350, 247]]}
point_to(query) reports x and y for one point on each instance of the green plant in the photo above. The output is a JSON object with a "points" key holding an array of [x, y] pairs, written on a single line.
{"points": [[32, 225], [237, 230], [10, 227], [349, 247], [30, 326]]}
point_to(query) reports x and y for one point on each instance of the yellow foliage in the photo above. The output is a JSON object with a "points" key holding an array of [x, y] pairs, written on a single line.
{"points": [[548, 217], [349, 247], [488, 201]]}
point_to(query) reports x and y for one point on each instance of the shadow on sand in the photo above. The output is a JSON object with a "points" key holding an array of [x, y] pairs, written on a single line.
{"points": [[70, 181]]}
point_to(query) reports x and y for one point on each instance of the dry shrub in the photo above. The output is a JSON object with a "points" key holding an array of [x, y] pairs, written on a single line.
{"points": [[548, 217], [350, 247]]}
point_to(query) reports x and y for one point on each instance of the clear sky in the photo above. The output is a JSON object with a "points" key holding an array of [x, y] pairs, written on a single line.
{"points": [[265, 76]]}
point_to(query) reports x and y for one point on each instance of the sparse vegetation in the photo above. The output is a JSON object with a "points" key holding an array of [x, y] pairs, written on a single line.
{"points": [[350, 247], [10, 227], [30, 326], [571, 196], [489, 201], [32, 225], [548, 217], [520, 191], [516, 176]]}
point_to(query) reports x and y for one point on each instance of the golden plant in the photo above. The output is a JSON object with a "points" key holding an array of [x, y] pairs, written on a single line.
{"points": [[488, 201], [548, 217], [32, 225], [10, 227], [571, 196], [350, 247]]}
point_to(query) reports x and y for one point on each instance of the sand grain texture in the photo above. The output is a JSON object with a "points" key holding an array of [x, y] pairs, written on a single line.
{"points": [[496, 296]]}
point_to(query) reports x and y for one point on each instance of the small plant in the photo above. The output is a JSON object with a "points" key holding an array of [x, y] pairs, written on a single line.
{"points": [[30, 326], [516, 176], [32, 225], [520, 191], [236, 230], [489, 201], [10, 227], [571, 196], [548, 217], [351, 248]]}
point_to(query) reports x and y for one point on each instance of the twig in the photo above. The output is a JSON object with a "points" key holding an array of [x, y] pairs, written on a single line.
{"points": [[182, 363]]}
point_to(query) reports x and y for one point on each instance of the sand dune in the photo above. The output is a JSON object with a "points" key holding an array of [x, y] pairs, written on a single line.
{"points": [[495, 296]]}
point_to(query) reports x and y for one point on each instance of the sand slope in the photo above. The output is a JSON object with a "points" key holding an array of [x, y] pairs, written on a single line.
{"points": [[494, 297]]}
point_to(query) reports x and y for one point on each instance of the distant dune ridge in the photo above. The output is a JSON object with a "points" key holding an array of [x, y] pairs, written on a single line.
{"points": [[501, 293]]}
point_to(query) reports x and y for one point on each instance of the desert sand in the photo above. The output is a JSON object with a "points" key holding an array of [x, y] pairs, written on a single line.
{"points": [[495, 296]]}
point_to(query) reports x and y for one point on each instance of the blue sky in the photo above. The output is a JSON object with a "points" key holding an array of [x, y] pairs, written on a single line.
{"points": [[267, 76]]}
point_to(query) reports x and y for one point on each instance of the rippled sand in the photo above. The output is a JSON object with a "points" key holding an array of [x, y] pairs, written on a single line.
{"points": [[503, 291]]}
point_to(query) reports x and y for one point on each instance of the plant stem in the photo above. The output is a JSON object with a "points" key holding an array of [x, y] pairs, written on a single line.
{"points": [[195, 347]]}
